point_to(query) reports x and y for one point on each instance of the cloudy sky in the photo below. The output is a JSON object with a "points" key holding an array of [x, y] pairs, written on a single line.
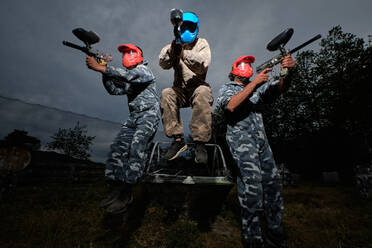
{"points": [[37, 68]]}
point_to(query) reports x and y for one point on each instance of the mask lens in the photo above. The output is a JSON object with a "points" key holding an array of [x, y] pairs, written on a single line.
{"points": [[188, 26], [243, 66], [130, 52]]}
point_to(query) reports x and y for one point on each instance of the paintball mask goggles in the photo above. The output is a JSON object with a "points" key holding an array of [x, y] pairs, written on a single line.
{"points": [[189, 27], [132, 55], [242, 67]]}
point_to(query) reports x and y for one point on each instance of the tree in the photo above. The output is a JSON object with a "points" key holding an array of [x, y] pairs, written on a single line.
{"points": [[72, 142], [21, 138], [328, 105]]}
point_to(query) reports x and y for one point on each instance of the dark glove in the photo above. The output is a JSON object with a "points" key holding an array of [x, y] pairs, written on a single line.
{"points": [[176, 49]]}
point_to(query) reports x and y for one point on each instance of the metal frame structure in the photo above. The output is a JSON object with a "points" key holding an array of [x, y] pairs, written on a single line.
{"points": [[217, 171]]}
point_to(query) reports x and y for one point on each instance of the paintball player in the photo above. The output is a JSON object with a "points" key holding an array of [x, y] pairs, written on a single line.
{"points": [[258, 180], [190, 59], [129, 151]]}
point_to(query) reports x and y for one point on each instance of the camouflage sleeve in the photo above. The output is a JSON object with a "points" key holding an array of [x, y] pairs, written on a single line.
{"points": [[140, 74], [266, 93], [113, 86], [198, 59], [165, 60], [224, 96]]}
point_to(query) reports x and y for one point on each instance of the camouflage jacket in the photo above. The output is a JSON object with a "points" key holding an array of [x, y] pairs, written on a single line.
{"points": [[248, 115], [191, 70], [138, 84]]}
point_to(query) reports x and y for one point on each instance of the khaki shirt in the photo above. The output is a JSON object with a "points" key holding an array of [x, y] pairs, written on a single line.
{"points": [[191, 70]]}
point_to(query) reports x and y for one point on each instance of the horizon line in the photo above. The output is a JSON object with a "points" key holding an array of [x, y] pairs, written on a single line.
{"points": [[55, 108]]}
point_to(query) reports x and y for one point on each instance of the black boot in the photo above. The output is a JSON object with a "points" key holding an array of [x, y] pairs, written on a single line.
{"points": [[121, 204], [252, 243], [175, 149], [276, 238], [119, 198], [201, 155], [113, 193]]}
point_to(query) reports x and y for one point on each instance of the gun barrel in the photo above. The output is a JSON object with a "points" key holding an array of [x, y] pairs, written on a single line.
{"points": [[81, 48], [305, 44], [72, 45]]}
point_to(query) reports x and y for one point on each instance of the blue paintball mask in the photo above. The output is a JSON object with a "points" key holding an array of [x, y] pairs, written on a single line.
{"points": [[189, 27]]}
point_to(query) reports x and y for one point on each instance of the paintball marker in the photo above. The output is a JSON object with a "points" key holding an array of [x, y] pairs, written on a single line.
{"points": [[278, 43], [89, 38], [176, 20]]}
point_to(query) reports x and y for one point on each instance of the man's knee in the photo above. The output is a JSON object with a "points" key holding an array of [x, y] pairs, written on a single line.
{"points": [[168, 92], [168, 97], [203, 94]]}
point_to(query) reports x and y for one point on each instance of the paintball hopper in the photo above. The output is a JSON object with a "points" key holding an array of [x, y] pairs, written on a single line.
{"points": [[280, 40], [176, 17], [88, 37]]}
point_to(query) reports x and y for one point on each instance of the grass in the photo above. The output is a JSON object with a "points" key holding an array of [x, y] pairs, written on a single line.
{"points": [[56, 215], [318, 216]]}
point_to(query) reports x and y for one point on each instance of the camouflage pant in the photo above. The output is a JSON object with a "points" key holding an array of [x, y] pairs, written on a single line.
{"points": [[129, 151], [200, 100], [259, 186]]}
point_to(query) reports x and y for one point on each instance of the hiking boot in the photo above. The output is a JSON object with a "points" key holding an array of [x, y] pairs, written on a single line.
{"points": [[253, 243], [114, 192], [176, 148], [201, 155], [122, 202], [276, 238], [112, 196]]}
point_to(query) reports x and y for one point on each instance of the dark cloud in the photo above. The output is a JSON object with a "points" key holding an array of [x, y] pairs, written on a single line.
{"points": [[37, 68]]}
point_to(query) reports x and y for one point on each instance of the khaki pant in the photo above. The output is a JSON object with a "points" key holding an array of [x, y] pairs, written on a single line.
{"points": [[200, 99]]}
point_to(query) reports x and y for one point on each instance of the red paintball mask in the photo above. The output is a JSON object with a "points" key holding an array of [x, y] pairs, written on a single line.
{"points": [[242, 67], [132, 55]]}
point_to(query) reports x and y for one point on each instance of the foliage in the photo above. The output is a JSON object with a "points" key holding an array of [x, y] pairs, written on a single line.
{"points": [[72, 142], [329, 99], [20, 138]]}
